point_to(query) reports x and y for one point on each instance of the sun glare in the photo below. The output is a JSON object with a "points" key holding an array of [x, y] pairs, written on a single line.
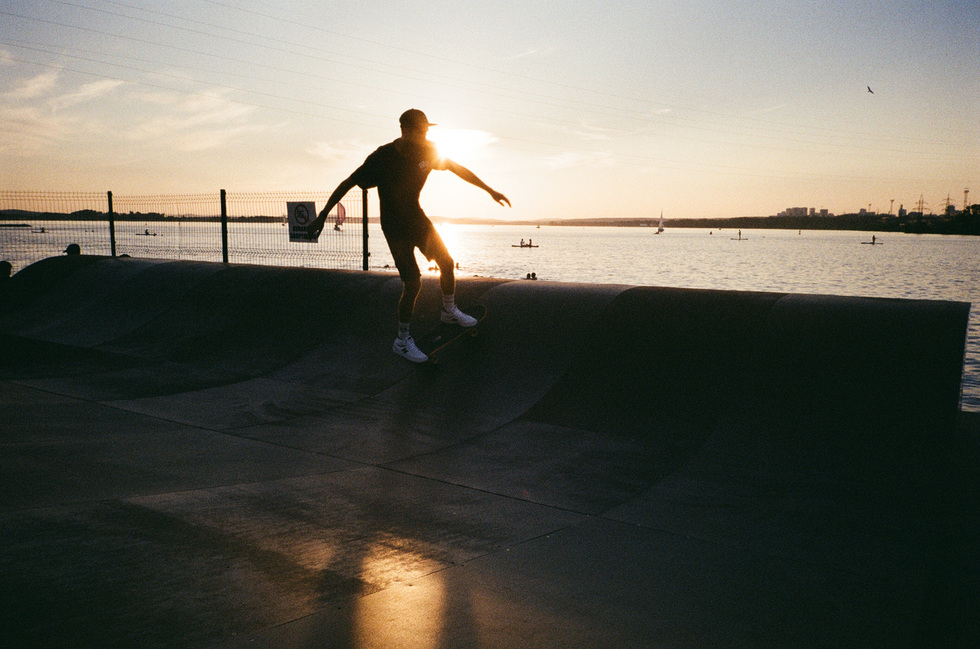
{"points": [[459, 144]]}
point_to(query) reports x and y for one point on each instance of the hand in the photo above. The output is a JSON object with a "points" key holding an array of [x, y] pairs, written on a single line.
{"points": [[500, 198], [314, 229]]}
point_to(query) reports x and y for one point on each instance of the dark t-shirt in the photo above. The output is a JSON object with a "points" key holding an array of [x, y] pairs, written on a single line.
{"points": [[399, 170]]}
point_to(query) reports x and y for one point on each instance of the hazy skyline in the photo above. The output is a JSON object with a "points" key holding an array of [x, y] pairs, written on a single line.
{"points": [[572, 109]]}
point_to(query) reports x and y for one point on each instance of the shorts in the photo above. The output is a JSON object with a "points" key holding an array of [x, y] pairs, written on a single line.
{"points": [[428, 242]]}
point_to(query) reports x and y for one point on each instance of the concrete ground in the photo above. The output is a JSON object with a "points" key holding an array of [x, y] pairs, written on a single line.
{"points": [[202, 455]]}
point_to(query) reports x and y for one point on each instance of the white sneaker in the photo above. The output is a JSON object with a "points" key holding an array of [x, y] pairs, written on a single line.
{"points": [[455, 316], [407, 349]]}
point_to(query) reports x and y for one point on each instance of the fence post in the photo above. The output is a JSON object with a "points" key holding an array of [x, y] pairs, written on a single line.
{"points": [[364, 225], [224, 228], [112, 228]]}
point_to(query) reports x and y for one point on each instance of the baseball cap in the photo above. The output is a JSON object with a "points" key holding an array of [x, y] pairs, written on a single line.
{"points": [[414, 117]]}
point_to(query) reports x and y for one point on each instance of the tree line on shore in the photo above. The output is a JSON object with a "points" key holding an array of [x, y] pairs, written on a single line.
{"points": [[95, 215], [962, 222]]}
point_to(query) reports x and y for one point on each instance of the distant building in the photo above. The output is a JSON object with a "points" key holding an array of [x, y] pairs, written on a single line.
{"points": [[794, 211], [798, 212]]}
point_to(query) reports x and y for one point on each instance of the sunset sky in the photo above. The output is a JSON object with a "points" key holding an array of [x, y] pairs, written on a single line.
{"points": [[698, 108]]}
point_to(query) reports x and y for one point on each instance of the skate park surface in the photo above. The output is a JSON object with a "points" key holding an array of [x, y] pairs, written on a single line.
{"points": [[227, 456]]}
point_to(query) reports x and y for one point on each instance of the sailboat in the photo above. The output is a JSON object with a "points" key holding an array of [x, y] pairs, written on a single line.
{"points": [[660, 228]]}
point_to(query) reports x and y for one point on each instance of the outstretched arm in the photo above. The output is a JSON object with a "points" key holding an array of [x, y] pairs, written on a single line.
{"points": [[472, 178], [316, 226]]}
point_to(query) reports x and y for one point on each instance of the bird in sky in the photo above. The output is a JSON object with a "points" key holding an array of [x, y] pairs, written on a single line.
{"points": [[870, 90]]}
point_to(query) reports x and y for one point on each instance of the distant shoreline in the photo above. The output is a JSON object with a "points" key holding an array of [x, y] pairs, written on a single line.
{"points": [[960, 223], [966, 224]]}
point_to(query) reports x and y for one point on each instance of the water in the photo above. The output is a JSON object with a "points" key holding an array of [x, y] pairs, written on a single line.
{"points": [[824, 262]]}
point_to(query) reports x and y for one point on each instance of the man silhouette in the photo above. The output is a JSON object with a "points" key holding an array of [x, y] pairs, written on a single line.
{"points": [[399, 170]]}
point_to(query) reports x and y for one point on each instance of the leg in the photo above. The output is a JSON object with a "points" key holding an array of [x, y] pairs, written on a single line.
{"points": [[447, 278], [403, 252], [404, 256], [406, 303], [435, 250]]}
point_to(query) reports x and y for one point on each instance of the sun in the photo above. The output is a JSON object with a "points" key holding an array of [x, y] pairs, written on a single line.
{"points": [[459, 144]]}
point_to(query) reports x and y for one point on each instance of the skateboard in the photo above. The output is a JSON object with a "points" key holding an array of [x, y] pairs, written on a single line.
{"points": [[444, 334]]}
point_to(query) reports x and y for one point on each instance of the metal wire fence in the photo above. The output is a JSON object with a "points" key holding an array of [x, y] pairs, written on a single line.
{"points": [[341, 245], [244, 227]]}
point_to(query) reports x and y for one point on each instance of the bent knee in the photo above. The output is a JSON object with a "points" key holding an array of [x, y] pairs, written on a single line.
{"points": [[445, 261]]}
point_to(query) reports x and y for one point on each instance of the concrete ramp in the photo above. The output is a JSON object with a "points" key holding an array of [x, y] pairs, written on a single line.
{"points": [[236, 456]]}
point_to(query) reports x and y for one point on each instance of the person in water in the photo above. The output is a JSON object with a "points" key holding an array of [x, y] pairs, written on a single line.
{"points": [[399, 170]]}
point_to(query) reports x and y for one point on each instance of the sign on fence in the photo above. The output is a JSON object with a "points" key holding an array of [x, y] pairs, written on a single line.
{"points": [[299, 216]]}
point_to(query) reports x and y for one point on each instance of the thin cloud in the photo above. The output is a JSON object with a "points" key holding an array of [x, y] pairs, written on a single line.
{"points": [[572, 159], [215, 138], [34, 87], [770, 109], [86, 93], [521, 55], [533, 52], [587, 132], [193, 123], [24, 130], [345, 152], [33, 115]]}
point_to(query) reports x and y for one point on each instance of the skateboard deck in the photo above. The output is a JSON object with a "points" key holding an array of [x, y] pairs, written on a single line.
{"points": [[444, 334]]}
